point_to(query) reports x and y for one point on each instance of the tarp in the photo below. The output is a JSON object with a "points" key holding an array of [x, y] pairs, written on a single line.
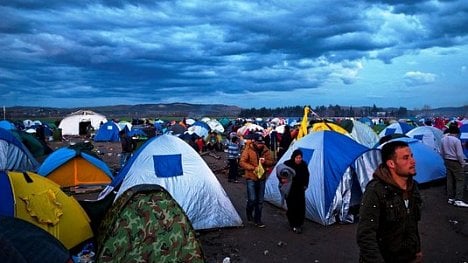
{"points": [[170, 162], [14, 155], [199, 128], [35, 147], [70, 167], [327, 126], [40, 201], [340, 169], [215, 125]]}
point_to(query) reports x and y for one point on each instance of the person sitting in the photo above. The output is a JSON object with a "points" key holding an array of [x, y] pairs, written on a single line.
{"points": [[213, 142]]}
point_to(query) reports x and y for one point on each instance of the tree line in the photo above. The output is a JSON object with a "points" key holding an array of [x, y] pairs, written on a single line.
{"points": [[324, 111]]}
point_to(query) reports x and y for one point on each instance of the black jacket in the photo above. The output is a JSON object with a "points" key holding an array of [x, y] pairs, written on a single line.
{"points": [[388, 229]]}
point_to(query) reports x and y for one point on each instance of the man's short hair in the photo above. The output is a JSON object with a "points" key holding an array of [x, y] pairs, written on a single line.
{"points": [[389, 148]]}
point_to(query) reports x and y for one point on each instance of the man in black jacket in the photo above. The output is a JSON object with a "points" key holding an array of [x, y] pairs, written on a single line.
{"points": [[391, 209]]}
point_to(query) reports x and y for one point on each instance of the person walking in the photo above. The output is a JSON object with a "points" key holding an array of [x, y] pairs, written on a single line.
{"points": [[295, 200], [233, 159], [454, 160], [255, 160], [128, 146], [391, 209]]}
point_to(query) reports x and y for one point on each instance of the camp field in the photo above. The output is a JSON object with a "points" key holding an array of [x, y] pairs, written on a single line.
{"points": [[444, 228], [444, 232]]}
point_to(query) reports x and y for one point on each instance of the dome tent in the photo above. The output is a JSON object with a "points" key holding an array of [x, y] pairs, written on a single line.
{"points": [[340, 169], [170, 162], [40, 201], [14, 155]]}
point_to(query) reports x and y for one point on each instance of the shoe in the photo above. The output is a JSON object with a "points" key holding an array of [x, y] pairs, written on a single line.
{"points": [[297, 230], [460, 203], [249, 218], [451, 201], [260, 225]]}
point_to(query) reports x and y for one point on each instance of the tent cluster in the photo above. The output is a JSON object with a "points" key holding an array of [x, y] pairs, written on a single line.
{"points": [[167, 191]]}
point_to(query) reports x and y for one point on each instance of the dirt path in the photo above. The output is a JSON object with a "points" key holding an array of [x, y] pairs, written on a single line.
{"points": [[444, 228], [444, 232]]}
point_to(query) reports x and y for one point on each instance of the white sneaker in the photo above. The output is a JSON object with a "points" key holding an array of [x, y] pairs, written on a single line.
{"points": [[451, 201], [460, 203]]}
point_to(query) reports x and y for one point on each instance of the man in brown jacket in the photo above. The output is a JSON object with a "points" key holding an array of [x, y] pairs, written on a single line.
{"points": [[255, 160]]}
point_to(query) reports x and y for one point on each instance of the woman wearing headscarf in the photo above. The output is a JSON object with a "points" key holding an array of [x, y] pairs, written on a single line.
{"points": [[295, 200]]}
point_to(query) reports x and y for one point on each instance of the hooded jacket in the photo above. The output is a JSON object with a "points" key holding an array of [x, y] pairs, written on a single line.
{"points": [[388, 228], [250, 158]]}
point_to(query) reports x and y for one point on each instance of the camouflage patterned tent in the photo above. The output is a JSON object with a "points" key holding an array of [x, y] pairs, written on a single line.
{"points": [[145, 224]]}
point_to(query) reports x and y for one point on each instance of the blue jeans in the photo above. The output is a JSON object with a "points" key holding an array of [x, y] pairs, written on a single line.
{"points": [[255, 194]]}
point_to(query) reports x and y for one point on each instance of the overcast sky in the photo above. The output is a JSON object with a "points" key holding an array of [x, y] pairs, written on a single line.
{"points": [[247, 53]]}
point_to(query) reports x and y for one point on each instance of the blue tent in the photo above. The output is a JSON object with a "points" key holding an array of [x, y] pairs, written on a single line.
{"points": [[429, 164], [430, 136], [396, 127], [7, 125], [137, 132], [108, 132], [14, 155], [464, 139], [340, 169]]}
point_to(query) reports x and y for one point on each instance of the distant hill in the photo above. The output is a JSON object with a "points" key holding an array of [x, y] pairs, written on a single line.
{"points": [[189, 110], [129, 111]]}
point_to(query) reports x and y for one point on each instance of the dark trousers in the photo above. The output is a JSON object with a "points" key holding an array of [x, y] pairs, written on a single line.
{"points": [[455, 179], [296, 207], [233, 169]]}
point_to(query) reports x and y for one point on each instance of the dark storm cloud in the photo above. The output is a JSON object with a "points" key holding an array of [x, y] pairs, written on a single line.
{"points": [[159, 50]]}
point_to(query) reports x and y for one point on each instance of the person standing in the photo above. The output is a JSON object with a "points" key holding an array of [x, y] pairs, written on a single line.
{"points": [[391, 209], [233, 159], [255, 159], [295, 199], [127, 148], [454, 159], [285, 141]]}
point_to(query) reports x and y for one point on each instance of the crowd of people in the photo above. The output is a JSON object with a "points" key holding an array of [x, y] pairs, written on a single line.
{"points": [[390, 210]]}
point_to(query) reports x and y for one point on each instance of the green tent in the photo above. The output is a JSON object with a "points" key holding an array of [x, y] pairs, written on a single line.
{"points": [[145, 224]]}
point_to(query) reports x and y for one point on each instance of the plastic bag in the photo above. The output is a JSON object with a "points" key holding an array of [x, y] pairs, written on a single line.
{"points": [[259, 171]]}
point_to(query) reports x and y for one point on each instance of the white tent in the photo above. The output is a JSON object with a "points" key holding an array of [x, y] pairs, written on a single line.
{"points": [[76, 123], [170, 162], [430, 136]]}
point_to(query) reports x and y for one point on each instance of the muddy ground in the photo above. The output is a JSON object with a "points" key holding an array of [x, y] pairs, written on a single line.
{"points": [[444, 228]]}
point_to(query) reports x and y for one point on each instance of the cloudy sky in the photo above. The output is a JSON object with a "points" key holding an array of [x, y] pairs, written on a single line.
{"points": [[247, 53]]}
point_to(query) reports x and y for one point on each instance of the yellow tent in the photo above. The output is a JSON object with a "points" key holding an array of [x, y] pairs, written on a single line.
{"points": [[328, 126], [40, 201]]}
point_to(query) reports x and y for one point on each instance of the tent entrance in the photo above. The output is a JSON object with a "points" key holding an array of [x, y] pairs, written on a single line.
{"points": [[84, 127]]}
